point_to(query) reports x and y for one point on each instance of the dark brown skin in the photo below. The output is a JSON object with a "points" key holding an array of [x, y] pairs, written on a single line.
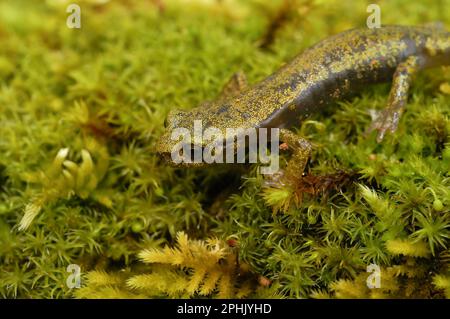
{"points": [[330, 70]]}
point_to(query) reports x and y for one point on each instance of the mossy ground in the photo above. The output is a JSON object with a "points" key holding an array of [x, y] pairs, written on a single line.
{"points": [[103, 91]]}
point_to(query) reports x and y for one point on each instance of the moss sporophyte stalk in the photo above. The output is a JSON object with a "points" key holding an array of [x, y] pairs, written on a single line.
{"points": [[85, 199]]}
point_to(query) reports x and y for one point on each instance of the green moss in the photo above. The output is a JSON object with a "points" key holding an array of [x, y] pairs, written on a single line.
{"points": [[103, 91]]}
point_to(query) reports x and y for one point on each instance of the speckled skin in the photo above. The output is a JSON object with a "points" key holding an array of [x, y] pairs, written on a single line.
{"points": [[326, 72]]}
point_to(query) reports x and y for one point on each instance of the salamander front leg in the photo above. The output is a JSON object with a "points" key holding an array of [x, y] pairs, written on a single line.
{"points": [[390, 116], [235, 85], [301, 152]]}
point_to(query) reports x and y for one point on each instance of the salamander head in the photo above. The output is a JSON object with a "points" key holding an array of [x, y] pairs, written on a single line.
{"points": [[184, 137], [174, 123], [206, 129]]}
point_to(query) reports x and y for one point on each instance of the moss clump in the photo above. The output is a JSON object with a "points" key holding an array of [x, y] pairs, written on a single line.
{"points": [[81, 110], [192, 269]]}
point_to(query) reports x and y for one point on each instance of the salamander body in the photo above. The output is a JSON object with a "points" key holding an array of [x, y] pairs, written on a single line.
{"points": [[326, 72]]}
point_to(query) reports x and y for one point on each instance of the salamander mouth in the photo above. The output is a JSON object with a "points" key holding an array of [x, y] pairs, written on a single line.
{"points": [[168, 157]]}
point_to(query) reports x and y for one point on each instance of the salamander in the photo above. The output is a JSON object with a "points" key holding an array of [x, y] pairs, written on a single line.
{"points": [[326, 72]]}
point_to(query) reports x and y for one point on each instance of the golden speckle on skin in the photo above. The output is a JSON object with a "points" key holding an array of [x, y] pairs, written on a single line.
{"points": [[431, 47]]}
